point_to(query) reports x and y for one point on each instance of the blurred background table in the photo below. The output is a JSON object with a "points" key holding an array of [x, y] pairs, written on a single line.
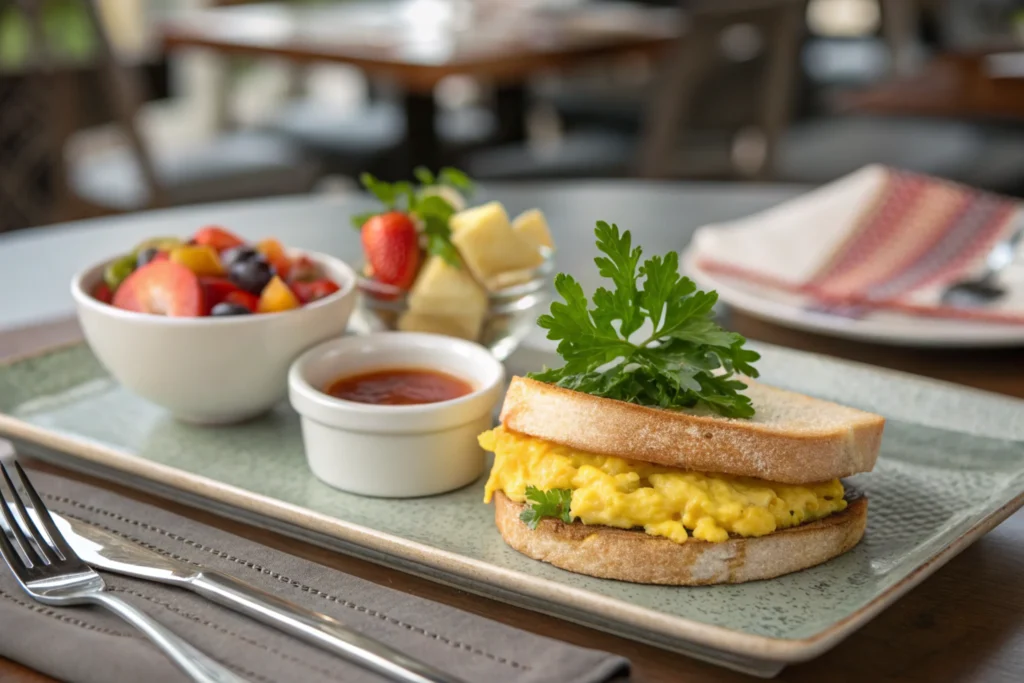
{"points": [[416, 44], [986, 85], [965, 623]]}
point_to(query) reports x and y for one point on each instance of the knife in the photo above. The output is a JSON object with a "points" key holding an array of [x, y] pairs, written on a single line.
{"points": [[105, 550]]}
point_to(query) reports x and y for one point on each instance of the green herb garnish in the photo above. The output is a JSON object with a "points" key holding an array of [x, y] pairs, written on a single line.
{"points": [[686, 360], [540, 504], [432, 210]]}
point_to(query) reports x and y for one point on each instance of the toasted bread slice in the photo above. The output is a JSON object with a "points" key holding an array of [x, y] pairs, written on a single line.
{"points": [[635, 556], [792, 438]]}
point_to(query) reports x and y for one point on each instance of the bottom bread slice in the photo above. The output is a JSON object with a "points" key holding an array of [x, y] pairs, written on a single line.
{"points": [[638, 557]]}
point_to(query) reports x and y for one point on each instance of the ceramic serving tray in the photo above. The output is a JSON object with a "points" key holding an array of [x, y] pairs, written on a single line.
{"points": [[951, 468]]}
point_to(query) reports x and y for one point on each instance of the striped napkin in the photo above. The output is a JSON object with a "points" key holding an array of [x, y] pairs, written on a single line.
{"points": [[879, 239]]}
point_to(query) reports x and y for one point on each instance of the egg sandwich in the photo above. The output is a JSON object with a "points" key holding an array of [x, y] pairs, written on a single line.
{"points": [[661, 460]]}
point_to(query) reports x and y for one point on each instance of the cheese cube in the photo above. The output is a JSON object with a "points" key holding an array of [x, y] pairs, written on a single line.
{"points": [[460, 326], [488, 245], [445, 290], [510, 278], [445, 300], [533, 227]]}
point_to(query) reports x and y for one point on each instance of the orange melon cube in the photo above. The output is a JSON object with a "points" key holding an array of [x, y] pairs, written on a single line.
{"points": [[201, 259], [276, 255], [276, 297]]}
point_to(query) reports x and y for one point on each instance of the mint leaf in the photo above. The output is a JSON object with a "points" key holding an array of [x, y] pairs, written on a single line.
{"points": [[385, 192], [423, 175], [540, 504], [688, 360], [457, 179], [436, 212], [433, 206], [359, 220]]}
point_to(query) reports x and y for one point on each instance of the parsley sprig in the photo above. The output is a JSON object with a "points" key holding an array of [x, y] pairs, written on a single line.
{"points": [[686, 360], [432, 210], [540, 504]]}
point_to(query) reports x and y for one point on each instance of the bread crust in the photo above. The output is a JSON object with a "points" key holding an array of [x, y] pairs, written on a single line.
{"points": [[787, 451], [638, 557]]}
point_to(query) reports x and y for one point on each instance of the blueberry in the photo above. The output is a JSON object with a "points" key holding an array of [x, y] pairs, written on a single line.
{"points": [[225, 308], [252, 275], [240, 253], [145, 256]]}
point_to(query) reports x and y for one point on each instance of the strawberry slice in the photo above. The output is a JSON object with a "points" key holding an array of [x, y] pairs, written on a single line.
{"points": [[218, 238], [243, 298], [313, 291], [161, 288], [216, 290], [102, 293], [392, 246], [303, 269]]}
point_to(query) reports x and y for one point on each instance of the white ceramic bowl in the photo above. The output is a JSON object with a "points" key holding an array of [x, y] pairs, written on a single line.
{"points": [[210, 370], [395, 451]]}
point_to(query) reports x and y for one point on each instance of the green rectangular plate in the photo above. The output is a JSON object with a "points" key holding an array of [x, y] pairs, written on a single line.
{"points": [[951, 468]]}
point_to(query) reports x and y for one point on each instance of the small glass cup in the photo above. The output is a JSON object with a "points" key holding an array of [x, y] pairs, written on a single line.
{"points": [[511, 311]]}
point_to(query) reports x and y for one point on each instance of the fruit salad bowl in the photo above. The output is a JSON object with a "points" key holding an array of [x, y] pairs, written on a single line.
{"points": [[498, 320], [208, 369]]}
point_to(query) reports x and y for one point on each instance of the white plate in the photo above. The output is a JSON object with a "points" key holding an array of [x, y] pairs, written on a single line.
{"points": [[881, 327]]}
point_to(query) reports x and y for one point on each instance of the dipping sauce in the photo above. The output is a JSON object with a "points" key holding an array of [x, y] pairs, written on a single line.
{"points": [[399, 387]]}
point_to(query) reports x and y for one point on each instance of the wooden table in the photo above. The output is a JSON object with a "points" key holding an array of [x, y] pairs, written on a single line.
{"points": [[417, 43], [954, 85], [965, 623]]}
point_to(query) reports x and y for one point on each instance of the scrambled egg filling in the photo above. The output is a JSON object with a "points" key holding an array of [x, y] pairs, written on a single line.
{"points": [[665, 501]]}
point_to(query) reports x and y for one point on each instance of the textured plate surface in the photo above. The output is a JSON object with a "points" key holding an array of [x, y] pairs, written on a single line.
{"points": [[952, 466]]}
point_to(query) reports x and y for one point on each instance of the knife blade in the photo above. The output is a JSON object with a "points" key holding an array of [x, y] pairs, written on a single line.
{"points": [[103, 549]]}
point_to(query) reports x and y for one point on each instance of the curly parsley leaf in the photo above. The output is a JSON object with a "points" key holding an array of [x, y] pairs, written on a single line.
{"points": [[540, 504], [431, 211], [686, 361]]}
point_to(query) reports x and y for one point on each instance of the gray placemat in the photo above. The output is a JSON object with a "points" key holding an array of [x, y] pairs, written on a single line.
{"points": [[88, 644]]}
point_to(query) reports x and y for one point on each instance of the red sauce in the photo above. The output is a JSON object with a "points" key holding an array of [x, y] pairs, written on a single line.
{"points": [[399, 387]]}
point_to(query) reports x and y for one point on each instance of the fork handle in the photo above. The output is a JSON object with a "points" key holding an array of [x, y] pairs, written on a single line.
{"points": [[198, 666], [317, 629]]}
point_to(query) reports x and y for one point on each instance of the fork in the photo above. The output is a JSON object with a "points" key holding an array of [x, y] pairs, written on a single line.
{"points": [[984, 288], [50, 571]]}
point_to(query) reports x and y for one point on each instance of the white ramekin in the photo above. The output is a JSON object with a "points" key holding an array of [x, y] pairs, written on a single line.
{"points": [[210, 370], [395, 451]]}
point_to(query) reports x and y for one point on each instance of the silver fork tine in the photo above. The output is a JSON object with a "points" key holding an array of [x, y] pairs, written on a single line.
{"points": [[37, 540], [12, 527], [6, 547], [53, 535]]}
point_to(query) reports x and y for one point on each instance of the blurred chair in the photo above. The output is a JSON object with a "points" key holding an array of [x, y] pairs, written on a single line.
{"points": [[607, 95], [137, 175], [34, 122], [754, 41], [816, 150], [722, 81]]}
